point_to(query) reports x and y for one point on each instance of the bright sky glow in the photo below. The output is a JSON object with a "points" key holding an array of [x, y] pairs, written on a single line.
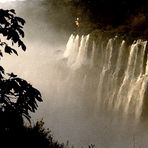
{"points": [[5, 1]]}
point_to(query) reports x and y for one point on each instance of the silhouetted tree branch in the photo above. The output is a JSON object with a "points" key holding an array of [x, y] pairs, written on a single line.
{"points": [[17, 96]]}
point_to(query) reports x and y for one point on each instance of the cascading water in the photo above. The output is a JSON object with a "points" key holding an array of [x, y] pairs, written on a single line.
{"points": [[121, 71]]}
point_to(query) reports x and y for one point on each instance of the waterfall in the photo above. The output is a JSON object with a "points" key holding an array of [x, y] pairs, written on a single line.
{"points": [[121, 71]]}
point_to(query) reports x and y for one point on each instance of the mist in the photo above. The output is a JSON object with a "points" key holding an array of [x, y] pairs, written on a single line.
{"points": [[68, 107]]}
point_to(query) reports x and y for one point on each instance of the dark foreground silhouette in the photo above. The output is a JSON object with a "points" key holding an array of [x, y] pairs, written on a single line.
{"points": [[28, 137], [17, 96]]}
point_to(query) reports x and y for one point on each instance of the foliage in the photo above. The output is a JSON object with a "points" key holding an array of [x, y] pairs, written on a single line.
{"points": [[11, 27], [32, 136], [17, 96], [29, 136]]}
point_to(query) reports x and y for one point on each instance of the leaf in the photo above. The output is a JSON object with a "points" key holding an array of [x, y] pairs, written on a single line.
{"points": [[1, 69], [14, 51], [23, 47], [12, 75], [8, 49], [1, 54], [9, 37], [39, 98], [12, 11], [20, 43], [22, 21], [15, 36], [26, 115], [21, 32]]}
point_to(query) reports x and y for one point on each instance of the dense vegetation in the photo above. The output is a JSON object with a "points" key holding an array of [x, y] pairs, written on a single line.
{"points": [[128, 17]]}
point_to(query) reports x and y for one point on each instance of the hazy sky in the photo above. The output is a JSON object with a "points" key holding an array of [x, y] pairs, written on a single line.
{"points": [[6, 1]]}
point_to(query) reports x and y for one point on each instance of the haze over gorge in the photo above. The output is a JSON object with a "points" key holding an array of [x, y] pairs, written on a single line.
{"points": [[89, 60]]}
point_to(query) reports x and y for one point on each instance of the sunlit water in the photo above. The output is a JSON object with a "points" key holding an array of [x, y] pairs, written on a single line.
{"points": [[120, 87]]}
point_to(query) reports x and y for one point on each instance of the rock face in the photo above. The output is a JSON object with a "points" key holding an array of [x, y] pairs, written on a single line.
{"points": [[126, 17]]}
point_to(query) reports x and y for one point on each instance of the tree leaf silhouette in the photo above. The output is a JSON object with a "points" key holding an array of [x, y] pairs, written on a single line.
{"points": [[10, 50], [23, 47], [12, 10], [1, 54], [1, 69], [17, 96], [22, 21], [11, 27], [21, 32]]}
